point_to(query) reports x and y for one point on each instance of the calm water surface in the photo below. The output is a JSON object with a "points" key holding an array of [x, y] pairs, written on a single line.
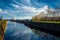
{"points": [[18, 31]]}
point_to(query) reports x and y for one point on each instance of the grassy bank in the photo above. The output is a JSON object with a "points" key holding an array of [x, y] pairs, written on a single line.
{"points": [[3, 24], [46, 21]]}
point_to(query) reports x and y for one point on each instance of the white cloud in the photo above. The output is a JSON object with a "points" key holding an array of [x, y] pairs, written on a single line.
{"points": [[6, 12], [17, 3], [45, 7], [3, 11], [35, 10], [28, 1], [0, 10], [25, 17], [29, 9], [23, 1], [25, 8], [15, 6]]}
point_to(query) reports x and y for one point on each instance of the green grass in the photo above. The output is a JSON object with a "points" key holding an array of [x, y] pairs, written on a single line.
{"points": [[47, 21], [3, 22]]}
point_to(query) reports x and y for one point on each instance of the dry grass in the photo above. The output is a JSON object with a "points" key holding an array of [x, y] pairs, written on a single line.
{"points": [[3, 24]]}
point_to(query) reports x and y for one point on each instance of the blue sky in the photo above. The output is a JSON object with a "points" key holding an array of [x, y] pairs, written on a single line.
{"points": [[25, 9]]}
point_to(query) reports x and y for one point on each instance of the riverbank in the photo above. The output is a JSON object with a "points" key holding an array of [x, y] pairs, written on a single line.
{"points": [[46, 21], [3, 24]]}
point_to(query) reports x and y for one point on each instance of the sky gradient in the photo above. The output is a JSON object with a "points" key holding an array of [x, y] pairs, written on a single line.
{"points": [[25, 9]]}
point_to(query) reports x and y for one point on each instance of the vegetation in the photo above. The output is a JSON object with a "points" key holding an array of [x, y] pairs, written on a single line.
{"points": [[46, 19], [3, 24]]}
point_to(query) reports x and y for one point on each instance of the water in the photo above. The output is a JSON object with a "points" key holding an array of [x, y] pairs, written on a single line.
{"points": [[16, 31]]}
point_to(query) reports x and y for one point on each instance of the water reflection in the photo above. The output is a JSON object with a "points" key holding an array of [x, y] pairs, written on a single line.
{"points": [[16, 31]]}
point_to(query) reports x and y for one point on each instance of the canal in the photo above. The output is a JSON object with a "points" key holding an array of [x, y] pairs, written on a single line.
{"points": [[18, 31]]}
